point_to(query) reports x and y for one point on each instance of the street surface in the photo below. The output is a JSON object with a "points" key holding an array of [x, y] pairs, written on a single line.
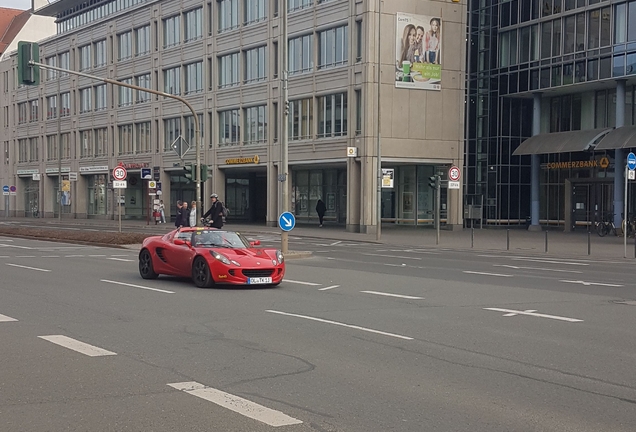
{"points": [[361, 337]]}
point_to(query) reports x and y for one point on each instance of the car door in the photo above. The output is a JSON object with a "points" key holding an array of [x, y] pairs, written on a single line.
{"points": [[179, 256]]}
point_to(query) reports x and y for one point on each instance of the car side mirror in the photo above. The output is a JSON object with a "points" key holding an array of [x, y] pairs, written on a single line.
{"points": [[255, 243], [180, 242]]}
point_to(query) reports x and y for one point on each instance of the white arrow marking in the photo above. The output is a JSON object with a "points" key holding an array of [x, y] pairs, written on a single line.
{"points": [[511, 312], [287, 221], [591, 283]]}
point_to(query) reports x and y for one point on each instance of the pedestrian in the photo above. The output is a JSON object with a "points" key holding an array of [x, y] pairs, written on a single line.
{"points": [[179, 215], [162, 212], [193, 214], [216, 212], [321, 209], [185, 215]]}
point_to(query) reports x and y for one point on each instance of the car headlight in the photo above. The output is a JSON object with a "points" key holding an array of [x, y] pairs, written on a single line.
{"points": [[236, 263], [280, 257], [220, 257]]}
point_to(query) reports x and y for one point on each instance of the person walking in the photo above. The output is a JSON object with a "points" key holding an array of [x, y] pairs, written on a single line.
{"points": [[321, 209], [162, 212], [185, 215], [193, 214], [179, 215], [216, 212]]}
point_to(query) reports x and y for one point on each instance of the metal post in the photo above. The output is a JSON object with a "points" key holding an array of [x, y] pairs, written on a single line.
{"points": [[507, 239], [284, 148], [589, 242], [438, 202], [546, 242], [472, 238], [119, 206], [378, 150], [58, 112], [624, 221]]}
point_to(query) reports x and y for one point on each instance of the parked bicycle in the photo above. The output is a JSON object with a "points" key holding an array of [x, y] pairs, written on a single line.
{"points": [[629, 225], [606, 226]]}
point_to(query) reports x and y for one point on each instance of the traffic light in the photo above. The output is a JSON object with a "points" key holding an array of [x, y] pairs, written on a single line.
{"points": [[189, 174], [28, 74], [204, 173], [433, 181]]}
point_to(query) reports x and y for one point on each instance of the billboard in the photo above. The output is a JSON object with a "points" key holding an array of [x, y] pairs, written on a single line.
{"points": [[418, 52]]}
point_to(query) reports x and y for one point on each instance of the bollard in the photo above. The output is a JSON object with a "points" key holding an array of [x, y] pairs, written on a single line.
{"points": [[589, 243], [472, 237], [546, 242], [634, 245], [507, 239]]}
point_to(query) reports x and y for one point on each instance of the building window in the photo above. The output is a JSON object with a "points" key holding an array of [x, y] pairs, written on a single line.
{"points": [[190, 129], [22, 112], [301, 119], [65, 63], [85, 57], [301, 54], [100, 53], [229, 70], [255, 64], [66, 145], [333, 47], [194, 77], [142, 131], [358, 112], [298, 4], [51, 107], [143, 81], [34, 111], [254, 10], [6, 152], [193, 25], [23, 150], [100, 97], [66, 104], [33, 150], [172, 81], [332, 115], [126, 139], [229, 127], [255, 125], [142, 40], [171, 31], [125, 45], [172, 131], [101, 142], [51, 147], [359, 41], [86, 144], [228, 14], [86, 102], [51, 74], [125, 93]]}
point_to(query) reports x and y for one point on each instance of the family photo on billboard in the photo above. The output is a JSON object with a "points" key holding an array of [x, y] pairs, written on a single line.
{"points": [[418, 52]]}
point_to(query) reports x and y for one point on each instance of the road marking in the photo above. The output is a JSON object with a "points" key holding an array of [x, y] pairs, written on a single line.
{"points": [[550, 261], [121, 259], [136, 286], [393, 256], [301, 282], [420, 251], [4, 256], [73, 256], [75, 345], [341, 324], [27, 267], [329, 287], [15, 246], [487, 274], [4, 318], [536, 268], [237, 404], [336, 243], [97, 256], [511, 312], [515, 314], [25, 256], [7, 240], [393, 295], [591, 283], [50, 256], [120, 255], [90, 229]]}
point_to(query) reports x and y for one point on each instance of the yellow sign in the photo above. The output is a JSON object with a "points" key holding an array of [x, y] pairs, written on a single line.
{"points": [[245, 160], [572, 164], [66, 186], [604, 162]]}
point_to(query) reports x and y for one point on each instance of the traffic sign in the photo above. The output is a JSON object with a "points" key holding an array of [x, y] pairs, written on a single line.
{"points": [[454, 174], [119, 173], [72, 176], [5, 190], [453, 185], [631, 161], [286, 221], [12, 190], [152, 184], [631, 175], [120, 184], [146, 174]]}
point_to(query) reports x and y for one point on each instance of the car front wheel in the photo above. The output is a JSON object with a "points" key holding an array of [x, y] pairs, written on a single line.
{"points": [[146, 269], [201, 273]]}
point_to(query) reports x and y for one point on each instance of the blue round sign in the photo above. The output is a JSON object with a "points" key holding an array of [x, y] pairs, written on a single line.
{"points": [[631, 161], [5, 188], [286, 221]]}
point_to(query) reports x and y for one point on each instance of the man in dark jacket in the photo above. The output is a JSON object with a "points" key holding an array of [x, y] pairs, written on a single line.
{"points": [[321, 209], [216, 212], [178, 220]]}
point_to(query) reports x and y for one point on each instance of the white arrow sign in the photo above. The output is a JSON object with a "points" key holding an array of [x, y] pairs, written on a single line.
{"points": [[288, 222]]}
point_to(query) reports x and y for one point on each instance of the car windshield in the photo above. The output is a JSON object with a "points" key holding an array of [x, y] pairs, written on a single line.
{"points": [[216, 238]]}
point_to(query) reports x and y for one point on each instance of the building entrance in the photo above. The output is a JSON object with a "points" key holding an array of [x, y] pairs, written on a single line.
{"points": [[591, 201]]}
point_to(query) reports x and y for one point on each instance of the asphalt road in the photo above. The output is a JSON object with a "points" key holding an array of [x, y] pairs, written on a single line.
{"points": [[359, 338]]}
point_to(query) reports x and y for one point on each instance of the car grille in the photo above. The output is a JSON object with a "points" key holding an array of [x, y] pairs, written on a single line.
{"points": [[258, 273]]}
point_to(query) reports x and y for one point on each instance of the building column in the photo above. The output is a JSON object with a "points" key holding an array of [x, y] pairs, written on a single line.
{"points": [[535, 172], [619, 156]]}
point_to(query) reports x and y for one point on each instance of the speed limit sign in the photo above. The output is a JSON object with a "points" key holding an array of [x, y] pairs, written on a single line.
{"points": [[119, 173], [454, 173]]}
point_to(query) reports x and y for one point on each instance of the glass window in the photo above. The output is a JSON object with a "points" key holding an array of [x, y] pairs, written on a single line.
{"points": [[524, 45], [631, 22], [556, 37], [171, 31], [125, 93], [229, 70], [546, 39], [255, 124], [605, 26], [298, 4], [301, 119], [255, 64], [358, 112], [301, 54], [172, 81], [229, 127], [85, 57], [101, 142], [51, 107], [34, 111], [65, 63], [228, 14], [33, 150], [580, 32], [172, 131], [569, 34], [142, 135], [191, 128], [193, 25], [100, 53], [534, 42], [86, 144], [125, 45], [22, 113], [594, 29], [359, 36], [66, 104], [142, 40], [333, 47], [620, 23], [86, 100], [254, 10], [100, 97], [126, 139], [143, 81], [332, 115], [194, 77], [51, 147], [51, 74]]}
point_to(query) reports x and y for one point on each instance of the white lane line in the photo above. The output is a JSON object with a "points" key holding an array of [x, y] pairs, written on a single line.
{"points": [[341, 324], [7, 240], [393, 295], [591, 283], [121, 259], [536, 268], [4, 256], [75, 345], [237, 404], [328, 288], [393, 256], [336, 243], [90, 229], [488, 274], [4, 318], [50, 256], [420, 251], [97, 256], [27, 267], [25, 256], [136, 286], [73, 256], [511, 312], [550, 261], [301, 282], [120, 255], [15, 246]]}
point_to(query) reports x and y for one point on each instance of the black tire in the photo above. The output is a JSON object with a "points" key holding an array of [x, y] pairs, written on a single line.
{"points": [[146, 270], [601, 229], [201, 273]]}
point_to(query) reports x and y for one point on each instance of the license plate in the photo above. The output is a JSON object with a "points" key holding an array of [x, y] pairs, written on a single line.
{"points": [[261, 280]]}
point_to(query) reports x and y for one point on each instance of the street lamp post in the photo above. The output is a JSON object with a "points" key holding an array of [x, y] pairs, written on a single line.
{"points": [[378, 232], [283, 177]]}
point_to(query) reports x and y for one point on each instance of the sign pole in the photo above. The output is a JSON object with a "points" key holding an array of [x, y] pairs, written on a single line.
{"points": [[119, 205], [284, 238], [625, 215], [438, 201]]}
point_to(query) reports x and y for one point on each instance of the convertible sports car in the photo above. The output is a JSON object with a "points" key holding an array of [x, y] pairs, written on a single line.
{"points": [[210, 256]]}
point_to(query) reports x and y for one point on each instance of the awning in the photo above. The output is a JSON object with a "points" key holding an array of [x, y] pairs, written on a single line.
{"points": [[561, 142], [622, 137]]}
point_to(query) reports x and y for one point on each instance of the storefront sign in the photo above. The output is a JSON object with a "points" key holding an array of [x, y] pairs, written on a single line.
{"points": [[92, 169], [66, 185], [28, 172], [72, 176], [54, 170], [576, 164], [388, 175], [136, 165], [240, 161], [36, 177]]}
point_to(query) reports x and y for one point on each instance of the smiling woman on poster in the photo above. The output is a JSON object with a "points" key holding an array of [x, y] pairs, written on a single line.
{"points": [[408, 46], [432, 41], [418, 52]]}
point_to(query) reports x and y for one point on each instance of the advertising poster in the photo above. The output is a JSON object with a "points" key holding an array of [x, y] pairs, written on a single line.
{"points": [[418, 52]]}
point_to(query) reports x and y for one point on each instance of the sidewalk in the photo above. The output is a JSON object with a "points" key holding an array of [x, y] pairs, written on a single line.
{"points": [[560, 244]]}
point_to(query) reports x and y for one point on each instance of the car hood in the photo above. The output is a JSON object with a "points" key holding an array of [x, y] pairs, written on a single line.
{"points": [[248, 255]]}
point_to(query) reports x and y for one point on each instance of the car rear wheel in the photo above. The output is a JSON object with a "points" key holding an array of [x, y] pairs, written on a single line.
{"points": [[201, 273], [146, 269]]}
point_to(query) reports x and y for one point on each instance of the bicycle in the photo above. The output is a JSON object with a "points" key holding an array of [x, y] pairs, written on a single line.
{"points": [[630, 225], [605, 227]]}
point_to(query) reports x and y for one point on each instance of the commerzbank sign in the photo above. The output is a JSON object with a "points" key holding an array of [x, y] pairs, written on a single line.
{"points": [[603, 163]]}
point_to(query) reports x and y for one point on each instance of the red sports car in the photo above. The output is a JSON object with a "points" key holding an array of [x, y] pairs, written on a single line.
{"points": [[210, 256]]}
